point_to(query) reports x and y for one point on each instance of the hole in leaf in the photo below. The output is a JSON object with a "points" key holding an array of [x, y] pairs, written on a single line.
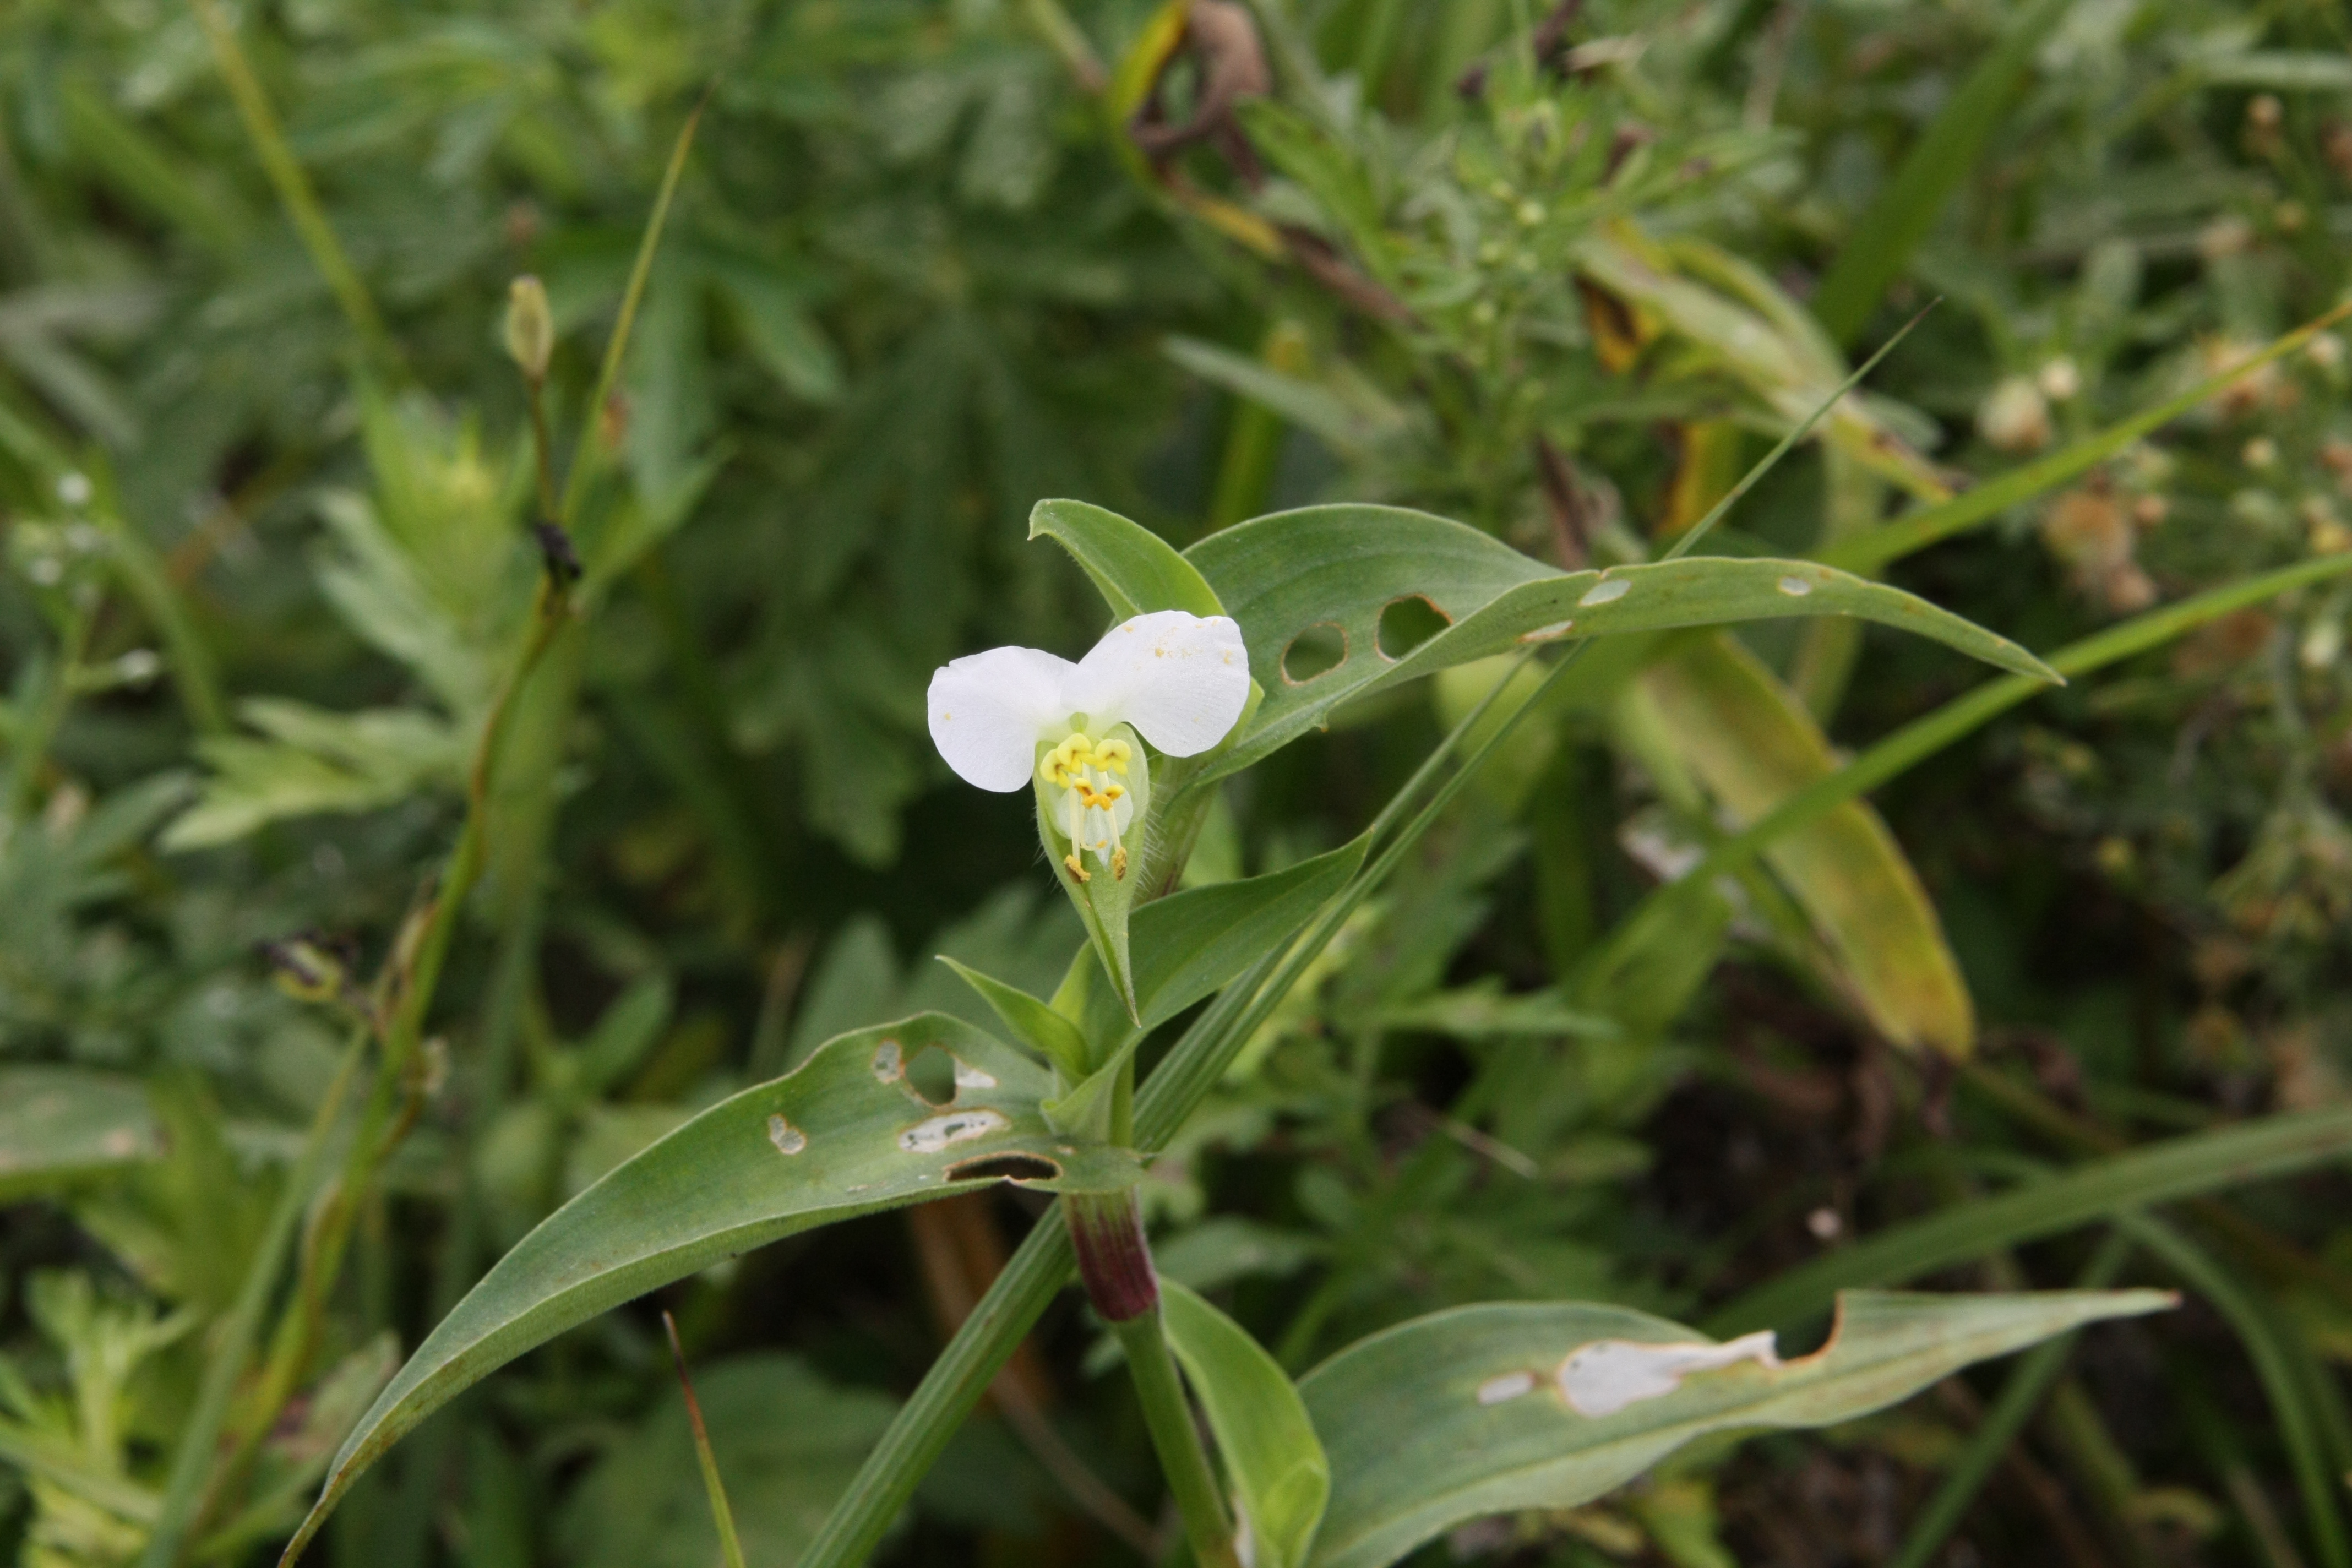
{"points": [[1006, 1168], [1407, 623], [932, 1075], [1316, 651]]}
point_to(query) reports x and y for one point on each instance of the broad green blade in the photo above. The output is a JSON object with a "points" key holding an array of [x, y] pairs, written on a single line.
{"points": [[844, 1134], [1341, 567], [1274, 1462], [1135, 569], [1752, 743], [1495, 1408], [59, 1124]]}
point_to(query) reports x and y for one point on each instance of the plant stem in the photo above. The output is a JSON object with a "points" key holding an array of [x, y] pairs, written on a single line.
{"points": [[1177, 1439], [1115, 1263], [575, 482]]}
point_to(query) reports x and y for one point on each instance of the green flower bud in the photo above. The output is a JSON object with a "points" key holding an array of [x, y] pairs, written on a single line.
{"points": [[530, 327]]}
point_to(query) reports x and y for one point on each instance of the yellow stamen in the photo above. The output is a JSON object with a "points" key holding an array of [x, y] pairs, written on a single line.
{"points": [[1113, 755], [1077, 868]]}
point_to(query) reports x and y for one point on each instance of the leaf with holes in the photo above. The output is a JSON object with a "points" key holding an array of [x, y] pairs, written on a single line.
{"points": [[1495, 1408], [1345, 584], [59, 1125], [846, 1133]]}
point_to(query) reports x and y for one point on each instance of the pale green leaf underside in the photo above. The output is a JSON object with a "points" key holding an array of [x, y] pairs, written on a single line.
{"points": [[1343, 565], [843, 1135], [59, 1124], [1414, 1451], [1264, 1437]]}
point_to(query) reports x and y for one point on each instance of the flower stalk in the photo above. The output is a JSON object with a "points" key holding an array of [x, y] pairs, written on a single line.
{"points": [[1114, 1263]]}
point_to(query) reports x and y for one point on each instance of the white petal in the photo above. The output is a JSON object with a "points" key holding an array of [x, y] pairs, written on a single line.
{"points": [[988, 711], [1179, 679]]}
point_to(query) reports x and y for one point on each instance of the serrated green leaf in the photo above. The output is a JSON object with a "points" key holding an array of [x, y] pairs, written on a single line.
{"points": [[1495, 1408], [1273, 1459], [845, 1134], [1342, 566], [59, 1124]]}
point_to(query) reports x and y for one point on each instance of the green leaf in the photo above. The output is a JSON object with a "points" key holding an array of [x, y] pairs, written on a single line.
{"points": [[1033, 1021], [1495, 1408], [845, 1134], [59, 1124], [1879, 243], [1752, 743], [1274, 1462], [1340, 567], [1191, 945], [2158, 1174], [1135, 569]]}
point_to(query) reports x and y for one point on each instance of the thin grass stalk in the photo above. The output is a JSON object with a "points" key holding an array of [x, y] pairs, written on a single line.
{"points": [[1914, 531], [1927, 735], [730, 1549], [575, 483], [2259, 1332], [293, 185], [2020, 1396]]}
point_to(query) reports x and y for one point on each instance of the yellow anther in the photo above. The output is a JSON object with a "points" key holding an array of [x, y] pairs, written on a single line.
{"points": [[1058, 765], [1113, 755]]}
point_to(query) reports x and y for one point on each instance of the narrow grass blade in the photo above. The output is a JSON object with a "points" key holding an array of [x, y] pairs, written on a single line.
{"points": [[1924, 737], [2260, 1333], [1869, 552], [575, 483], [721, 1515], [1698, 530], [2020, 1398], [2158, 1174], [293, 185], [1884, 238]]}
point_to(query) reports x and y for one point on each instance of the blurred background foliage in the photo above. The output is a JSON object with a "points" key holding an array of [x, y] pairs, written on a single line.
{"points": [[266, 488]]}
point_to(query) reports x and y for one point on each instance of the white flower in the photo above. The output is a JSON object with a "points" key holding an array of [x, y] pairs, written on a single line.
{"points": [[1180, 680]]}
